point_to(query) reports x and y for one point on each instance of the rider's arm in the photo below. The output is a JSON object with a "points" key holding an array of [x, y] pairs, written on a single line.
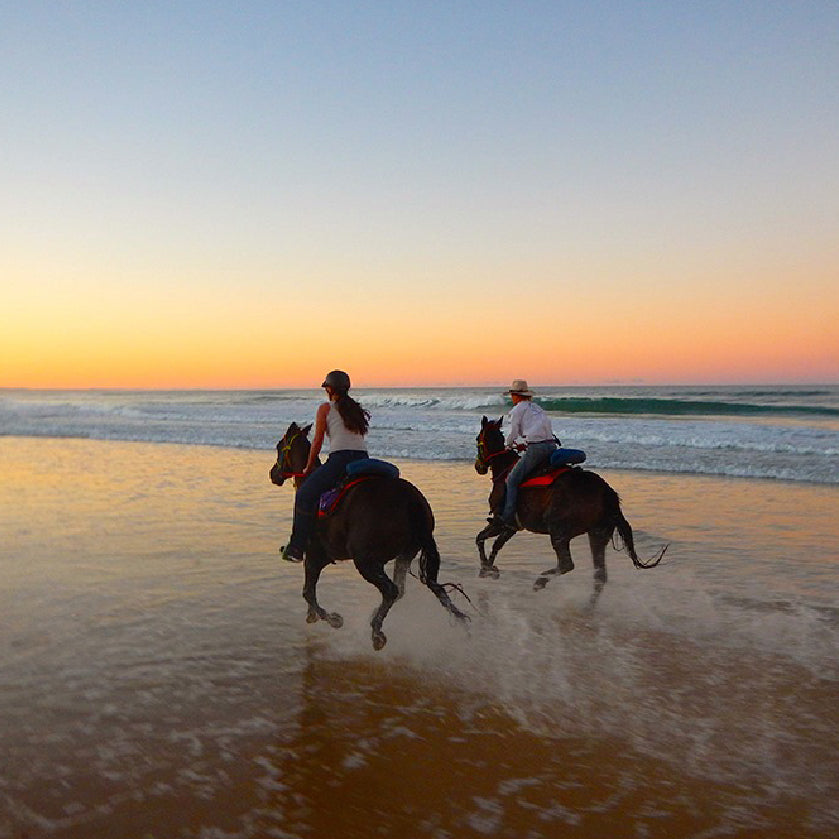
{"points": [[317, 440], [515, 427]]}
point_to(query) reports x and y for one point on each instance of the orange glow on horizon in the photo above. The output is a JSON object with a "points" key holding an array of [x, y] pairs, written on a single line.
{"points": [[444, 331]]}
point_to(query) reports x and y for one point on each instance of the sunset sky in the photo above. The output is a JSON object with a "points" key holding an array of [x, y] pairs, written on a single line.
{"points": [[248, 194]]}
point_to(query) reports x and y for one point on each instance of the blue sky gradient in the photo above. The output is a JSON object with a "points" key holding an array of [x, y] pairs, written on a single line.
{"points": [[643, 156]]}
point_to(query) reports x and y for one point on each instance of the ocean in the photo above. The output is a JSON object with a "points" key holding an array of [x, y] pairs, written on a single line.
{"points": [[781, 432], [158, 679]]}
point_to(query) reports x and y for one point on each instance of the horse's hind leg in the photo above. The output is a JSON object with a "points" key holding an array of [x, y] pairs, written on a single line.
{"points": [[598, 540], [314, 566], [375, 574], [401, 567], [562, 547]]}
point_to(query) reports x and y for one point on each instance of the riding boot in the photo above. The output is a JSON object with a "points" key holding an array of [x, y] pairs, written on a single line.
{"points": [[500, 521], [291, 554], [304, 523]]}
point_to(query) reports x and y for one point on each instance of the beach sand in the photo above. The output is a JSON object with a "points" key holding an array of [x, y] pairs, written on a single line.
{"points": [[158, 678]]}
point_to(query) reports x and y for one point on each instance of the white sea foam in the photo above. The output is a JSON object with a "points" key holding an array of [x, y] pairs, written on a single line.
{"points": [[647, 665], [442, 424]]}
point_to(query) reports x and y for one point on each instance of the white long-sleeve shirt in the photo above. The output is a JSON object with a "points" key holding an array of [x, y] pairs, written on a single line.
{"points": [[529, 421]]}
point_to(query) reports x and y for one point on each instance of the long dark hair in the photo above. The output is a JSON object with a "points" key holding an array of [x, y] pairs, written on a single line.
{"points": [[354, 416]]}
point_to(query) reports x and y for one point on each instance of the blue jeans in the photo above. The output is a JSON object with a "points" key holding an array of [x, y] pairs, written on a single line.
{"points": [[309, 492], [535, 454]]}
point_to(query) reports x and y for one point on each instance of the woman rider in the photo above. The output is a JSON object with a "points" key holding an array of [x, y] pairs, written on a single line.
{"points": [[345, 422]]}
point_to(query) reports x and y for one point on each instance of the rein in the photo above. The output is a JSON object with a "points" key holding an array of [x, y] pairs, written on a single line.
{"points": [[502, 474], [486, 460]]}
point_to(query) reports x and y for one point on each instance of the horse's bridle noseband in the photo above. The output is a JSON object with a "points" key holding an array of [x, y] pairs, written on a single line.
{"points": [[284, 452], [483, 458]]}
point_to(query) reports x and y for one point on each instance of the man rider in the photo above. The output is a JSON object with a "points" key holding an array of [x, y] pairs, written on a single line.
{"points": [[528, 422]]}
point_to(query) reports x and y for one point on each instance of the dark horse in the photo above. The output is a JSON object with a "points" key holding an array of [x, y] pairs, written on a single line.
{"points": [[379, 519], [577, 502]]}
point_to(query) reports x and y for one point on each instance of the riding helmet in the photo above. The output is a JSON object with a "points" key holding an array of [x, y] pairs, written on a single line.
{"points": [[337, 380]]}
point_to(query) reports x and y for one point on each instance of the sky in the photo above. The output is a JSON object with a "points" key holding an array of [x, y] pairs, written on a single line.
{"points": [[249, 194]]}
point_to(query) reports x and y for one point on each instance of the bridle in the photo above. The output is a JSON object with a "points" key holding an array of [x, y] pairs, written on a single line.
{"points": [[285, 451], [484, 458]]}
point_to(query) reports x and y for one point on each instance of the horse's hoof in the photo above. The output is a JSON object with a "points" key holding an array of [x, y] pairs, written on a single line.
{"points": [[540, 583], [334, 620], [489, 571], [312, 617], [379, 640]]}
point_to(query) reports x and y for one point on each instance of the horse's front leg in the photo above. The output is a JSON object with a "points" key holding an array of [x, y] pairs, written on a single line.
{"points": [[562, 547], [374, 573], [315, 563], [504, 535], [479, 541]]}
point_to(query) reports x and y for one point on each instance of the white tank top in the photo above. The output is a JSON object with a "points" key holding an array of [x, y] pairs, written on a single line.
{"points": [[340, 437]]}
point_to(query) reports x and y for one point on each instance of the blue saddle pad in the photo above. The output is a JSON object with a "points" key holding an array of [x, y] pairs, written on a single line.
{"points": [[567, 457], [372, 466]]}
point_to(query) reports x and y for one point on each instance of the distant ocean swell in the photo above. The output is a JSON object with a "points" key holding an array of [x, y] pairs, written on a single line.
{"points": [[769, 402], [787, 434], [776, 404], [678, 407]]}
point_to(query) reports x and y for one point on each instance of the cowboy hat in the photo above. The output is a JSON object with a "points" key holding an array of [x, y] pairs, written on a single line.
{"points": [[520, 387]]}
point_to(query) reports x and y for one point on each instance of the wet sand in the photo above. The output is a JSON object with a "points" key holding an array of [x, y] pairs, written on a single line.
{"points": [[158, 678]]}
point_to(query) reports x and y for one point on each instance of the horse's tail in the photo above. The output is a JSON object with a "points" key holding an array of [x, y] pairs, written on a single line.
{"points": [[429, 560], [625, 531]]}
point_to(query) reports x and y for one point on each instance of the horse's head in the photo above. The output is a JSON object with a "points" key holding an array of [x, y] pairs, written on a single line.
{"points": [[490, 442], [292, 453]]}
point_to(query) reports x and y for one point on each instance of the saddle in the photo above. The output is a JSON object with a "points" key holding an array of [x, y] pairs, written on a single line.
{"points": [[366, 469], [561, 460]]}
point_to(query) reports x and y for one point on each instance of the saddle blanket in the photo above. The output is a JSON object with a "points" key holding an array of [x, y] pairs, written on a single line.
{"points": [[330, 499], [544, 480]]}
